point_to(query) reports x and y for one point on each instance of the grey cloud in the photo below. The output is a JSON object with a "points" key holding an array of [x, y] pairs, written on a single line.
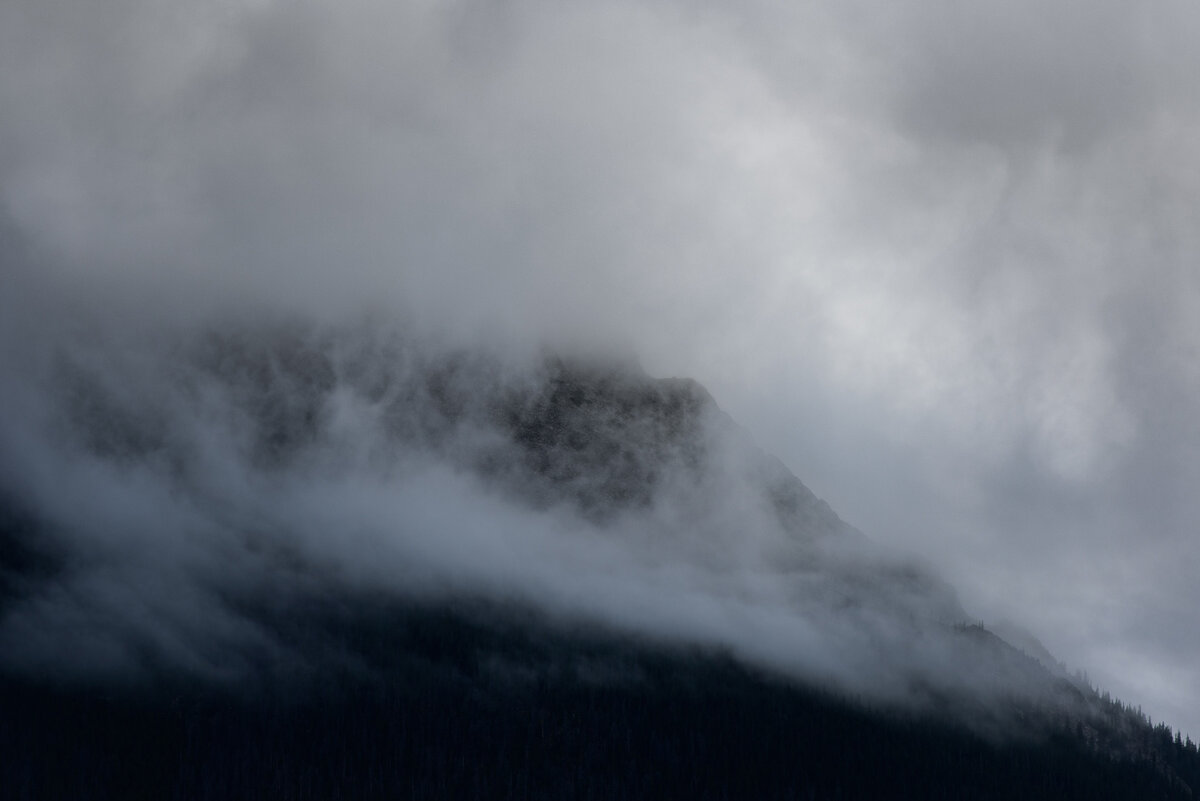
{"points": [[940, 259], [311, 156]]}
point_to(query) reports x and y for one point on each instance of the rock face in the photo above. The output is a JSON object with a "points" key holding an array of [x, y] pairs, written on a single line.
{"points": [[598, 434]]}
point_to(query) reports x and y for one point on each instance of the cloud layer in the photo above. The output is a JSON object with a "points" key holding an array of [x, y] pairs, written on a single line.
{"points": [[941, 260]]}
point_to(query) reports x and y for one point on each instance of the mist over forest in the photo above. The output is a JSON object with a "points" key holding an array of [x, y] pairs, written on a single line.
{"points": [[853, 343], [276, 456], [287, 527]]}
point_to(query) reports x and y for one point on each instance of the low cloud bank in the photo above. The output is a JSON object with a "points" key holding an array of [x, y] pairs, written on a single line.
{"points": [[278, 458]]}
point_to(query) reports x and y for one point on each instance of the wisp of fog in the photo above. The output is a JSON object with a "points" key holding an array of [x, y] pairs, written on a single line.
{"points": [[169, 468]]}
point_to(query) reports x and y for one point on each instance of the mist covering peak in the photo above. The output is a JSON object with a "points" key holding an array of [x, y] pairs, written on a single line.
{"points": [[173, 479]]}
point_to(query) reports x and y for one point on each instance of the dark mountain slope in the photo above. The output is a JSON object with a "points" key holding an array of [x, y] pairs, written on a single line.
{"points": [[465, 701], [291, 561]]}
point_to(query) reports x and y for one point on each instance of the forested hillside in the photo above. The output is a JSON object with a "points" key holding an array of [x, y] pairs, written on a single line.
{"points": [[290, 561], [467, 703]]}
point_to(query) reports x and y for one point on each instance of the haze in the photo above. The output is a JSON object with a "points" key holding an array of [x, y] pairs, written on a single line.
{"points": [[940, 260]]}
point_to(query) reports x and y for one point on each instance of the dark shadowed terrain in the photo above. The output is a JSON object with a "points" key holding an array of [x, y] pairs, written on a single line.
{"points": [[462, 702]]}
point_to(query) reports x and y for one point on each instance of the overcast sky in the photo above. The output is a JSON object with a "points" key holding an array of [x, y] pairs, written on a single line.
{"points": [[941, 258]]}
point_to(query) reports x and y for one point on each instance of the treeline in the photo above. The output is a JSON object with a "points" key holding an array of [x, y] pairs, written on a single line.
{"points": [[455, 706]]}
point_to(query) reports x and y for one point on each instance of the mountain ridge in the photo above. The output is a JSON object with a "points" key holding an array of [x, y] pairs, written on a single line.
{"points": [[285, 505]]}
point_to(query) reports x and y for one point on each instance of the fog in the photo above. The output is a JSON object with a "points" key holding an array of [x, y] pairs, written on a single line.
{"points": [[168, 469], [940, 261]]}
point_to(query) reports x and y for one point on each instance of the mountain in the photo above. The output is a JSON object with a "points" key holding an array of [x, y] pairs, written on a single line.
{"points": [[273, 558]]}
